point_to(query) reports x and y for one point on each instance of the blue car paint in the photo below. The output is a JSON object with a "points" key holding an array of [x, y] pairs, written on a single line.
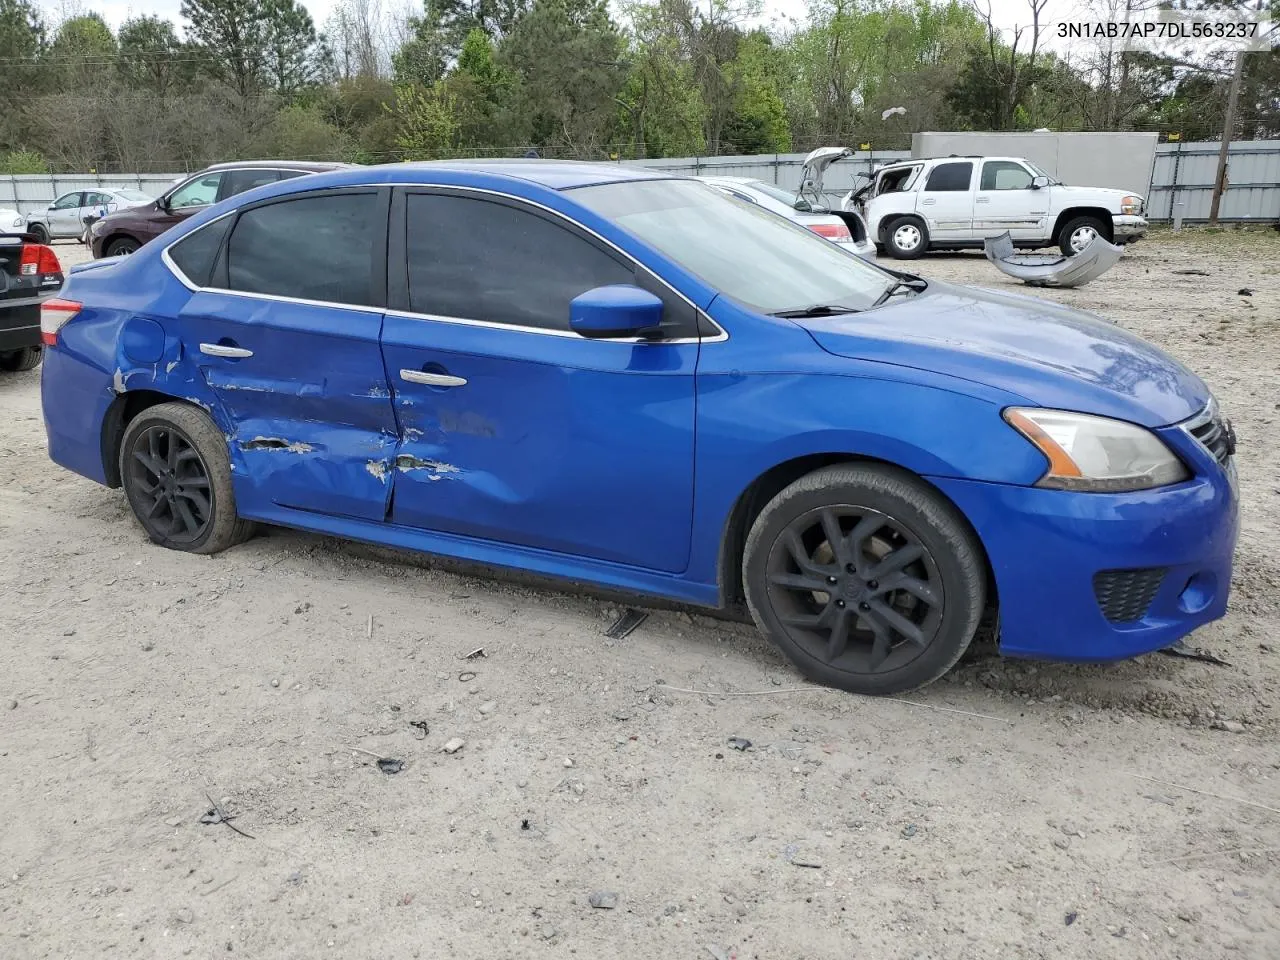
{"points": [[529, 459]]}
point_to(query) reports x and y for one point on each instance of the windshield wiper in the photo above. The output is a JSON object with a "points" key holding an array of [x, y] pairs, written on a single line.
{"points": [[817, 310], [908, 283]]}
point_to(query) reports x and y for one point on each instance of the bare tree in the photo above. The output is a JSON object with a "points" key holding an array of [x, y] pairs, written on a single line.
{"points": [[1015, 62]]}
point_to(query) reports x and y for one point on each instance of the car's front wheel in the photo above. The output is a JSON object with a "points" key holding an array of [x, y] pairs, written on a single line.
{"points": [[39, 231], [1078, 233], [24, 358], [907, 238], [866, 578], [121, 247], [177, 477]]}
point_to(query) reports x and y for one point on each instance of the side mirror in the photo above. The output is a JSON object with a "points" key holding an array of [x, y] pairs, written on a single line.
{"points": [[614, 312], [803, 206], [1039, 182]]}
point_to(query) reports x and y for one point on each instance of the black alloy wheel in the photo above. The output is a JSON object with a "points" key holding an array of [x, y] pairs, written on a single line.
{"points": [[856, 589], [170, 483]]}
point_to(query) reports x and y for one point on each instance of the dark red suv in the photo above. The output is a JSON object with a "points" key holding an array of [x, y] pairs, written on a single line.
{"points": [[126, 230]]}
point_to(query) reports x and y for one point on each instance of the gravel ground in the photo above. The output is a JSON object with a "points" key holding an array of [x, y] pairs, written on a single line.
{"points": [[1001, 813]]}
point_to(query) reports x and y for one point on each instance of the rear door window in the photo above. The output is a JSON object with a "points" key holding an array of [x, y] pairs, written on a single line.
{"points": [[316, 247], [950, 178]]}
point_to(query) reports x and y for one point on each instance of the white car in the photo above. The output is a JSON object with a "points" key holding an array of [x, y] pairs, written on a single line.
{"points": [[834, 226], [11, 221], [950, 203], [65, 217]]}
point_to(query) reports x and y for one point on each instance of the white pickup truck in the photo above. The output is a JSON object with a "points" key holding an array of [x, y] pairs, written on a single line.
{"points": [[949, 203]]}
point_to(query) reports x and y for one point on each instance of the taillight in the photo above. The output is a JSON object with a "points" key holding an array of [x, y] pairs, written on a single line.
{"points": [[38, 260], [832, 231], [53, 315]]}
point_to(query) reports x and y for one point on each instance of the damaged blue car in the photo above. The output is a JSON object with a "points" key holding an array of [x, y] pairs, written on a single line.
{"points": [[624, 378]]}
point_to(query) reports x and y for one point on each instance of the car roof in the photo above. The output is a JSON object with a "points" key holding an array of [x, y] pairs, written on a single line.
{"points": [[555, 174], [313, 166], [716, 176]]}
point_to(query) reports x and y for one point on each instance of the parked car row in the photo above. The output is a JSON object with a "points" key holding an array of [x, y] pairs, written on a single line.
{"points": [[621, 377]]}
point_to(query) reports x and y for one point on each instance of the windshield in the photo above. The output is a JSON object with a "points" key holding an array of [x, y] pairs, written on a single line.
{"points": [[134, 195], [759, 259]]}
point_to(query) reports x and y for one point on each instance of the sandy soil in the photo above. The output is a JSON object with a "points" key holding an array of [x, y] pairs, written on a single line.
{"points": [[136, 682]]}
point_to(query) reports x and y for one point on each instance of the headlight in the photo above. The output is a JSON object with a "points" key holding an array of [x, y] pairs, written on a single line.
{"points": [[1096, 454], [19, 223], [1131, 206]]}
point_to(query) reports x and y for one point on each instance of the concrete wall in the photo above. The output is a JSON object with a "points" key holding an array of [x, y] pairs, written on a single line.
{"points": [[1119, 160]]}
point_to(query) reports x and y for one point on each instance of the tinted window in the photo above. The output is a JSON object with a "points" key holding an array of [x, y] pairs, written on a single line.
{"points": [[68, 202], [195, 253], [950, 177], [200, 192], [758, 258], [313, 248], [1005, 175], [479, 260], [290, 174], [238, 181]]}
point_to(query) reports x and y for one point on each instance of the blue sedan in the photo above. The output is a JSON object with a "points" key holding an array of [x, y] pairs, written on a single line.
{"points": [[614, 376]]}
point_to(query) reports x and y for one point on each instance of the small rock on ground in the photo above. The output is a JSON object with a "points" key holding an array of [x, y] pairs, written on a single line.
{"points": [[603, 900]]}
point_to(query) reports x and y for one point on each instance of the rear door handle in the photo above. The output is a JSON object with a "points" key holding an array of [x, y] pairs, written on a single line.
{"points": [[432, 379], [222, 350], [927, 201], [983, 200]]}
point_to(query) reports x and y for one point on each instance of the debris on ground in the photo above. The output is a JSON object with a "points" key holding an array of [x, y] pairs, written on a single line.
{"points": [[454, 745], [791, 853], [1070, 918], [626, 624], [603, 900], [740, 743], [466, 676], [1244, 292], [390, 766], [475, 654], [909, 831], [1230, 726], [1184, 649], [216, 814], [1193, 273], [421, 728]]}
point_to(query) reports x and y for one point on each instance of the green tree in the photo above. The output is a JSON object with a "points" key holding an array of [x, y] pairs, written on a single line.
{"points": [[22, 40], [758, 120], [151, 55], [232, 34], [291, 49]]}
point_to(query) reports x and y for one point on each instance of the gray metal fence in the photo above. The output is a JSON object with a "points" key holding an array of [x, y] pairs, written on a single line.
{"points": [[1181, 179]]}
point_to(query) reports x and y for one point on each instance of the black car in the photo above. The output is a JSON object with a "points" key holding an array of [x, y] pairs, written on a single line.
{"points": [[29, 274]]}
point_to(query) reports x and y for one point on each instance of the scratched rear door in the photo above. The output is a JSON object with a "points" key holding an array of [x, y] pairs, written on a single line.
{"points": [[286, 335]]}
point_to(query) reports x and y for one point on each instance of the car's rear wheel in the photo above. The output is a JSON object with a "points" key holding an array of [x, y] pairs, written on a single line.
{"points": [[177, 477], [39, 231], [122, 246], [866, 578], [24, 358], [907, 238], [1078, 233]]}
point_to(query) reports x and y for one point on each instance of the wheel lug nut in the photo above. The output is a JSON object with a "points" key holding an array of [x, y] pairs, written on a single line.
{"points": [[840, 603], [850, 568], [831, 580], [864, 606], [873, 584]]}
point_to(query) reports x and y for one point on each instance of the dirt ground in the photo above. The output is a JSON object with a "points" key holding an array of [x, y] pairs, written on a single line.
{"points": [[1001, 813]]}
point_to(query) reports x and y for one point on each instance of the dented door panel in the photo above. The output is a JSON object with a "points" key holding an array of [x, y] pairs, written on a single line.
{"points": [[309, 409], [576, 446]]}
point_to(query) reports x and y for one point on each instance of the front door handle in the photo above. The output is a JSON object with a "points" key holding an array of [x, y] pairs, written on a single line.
{"points": [[222, 350], [432, 379], [927, 201], [982, 200]]}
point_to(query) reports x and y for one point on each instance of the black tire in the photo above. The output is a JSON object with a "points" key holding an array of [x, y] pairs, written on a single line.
{"points": [[876, 655], [1079, 224], [122, 245], [907, 238], [39, 231], [159, 506], [24, 358]]}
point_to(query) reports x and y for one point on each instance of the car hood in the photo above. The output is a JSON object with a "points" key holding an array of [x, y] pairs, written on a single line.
{"points": [[1096, 193], [1051, 355]]}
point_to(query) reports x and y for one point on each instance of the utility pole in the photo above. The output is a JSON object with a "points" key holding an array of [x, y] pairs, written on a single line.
{"points": [[1228, 128]]}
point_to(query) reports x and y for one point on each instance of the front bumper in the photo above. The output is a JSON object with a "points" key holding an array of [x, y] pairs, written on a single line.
{"points": [[1047, 546], [1126, 229]]}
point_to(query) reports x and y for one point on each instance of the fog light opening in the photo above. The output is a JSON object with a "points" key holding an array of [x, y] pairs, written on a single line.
{"points": [[1198, 593]]}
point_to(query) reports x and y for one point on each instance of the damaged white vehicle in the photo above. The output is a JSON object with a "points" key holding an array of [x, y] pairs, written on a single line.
{"points": [[953, 203]]}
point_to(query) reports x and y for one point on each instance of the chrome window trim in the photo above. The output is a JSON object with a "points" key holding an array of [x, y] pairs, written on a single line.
{"points": [[719, 337]]}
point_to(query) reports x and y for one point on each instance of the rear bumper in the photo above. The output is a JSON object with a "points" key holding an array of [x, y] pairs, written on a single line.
{"points": [[1128, 228], [1047, 546], [20, 325], [864, 248]]}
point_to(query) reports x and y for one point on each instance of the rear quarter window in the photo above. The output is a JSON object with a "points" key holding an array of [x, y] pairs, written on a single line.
{"points": [[195, 254]]}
